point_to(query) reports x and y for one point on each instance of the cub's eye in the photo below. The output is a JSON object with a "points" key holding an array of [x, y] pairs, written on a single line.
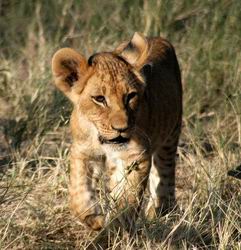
{"points": [[99, 98], [131, 96]]}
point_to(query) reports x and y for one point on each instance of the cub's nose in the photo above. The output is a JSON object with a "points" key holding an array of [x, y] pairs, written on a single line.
{"points": [[119, 121], [119, 128]]}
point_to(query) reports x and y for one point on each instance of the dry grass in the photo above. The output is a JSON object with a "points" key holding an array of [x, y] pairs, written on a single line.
{"points": [[34, 135]]}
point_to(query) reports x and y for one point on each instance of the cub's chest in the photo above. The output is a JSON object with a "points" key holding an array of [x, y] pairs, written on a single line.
{"points": [[116, 164]]}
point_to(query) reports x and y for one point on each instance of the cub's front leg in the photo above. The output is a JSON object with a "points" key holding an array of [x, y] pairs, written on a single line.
{"points": [[84, 173], [128, 179]]}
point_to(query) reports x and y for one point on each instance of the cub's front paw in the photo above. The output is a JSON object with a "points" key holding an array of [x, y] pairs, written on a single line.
{"points": [[95, 221], [91, 216]]}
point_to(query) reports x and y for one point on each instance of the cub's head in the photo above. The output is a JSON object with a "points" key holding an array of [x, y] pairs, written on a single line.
{"points": [[106, 89]]}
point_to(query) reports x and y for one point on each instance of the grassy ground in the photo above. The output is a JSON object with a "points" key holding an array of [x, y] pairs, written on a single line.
{"points": [[34, 135]]}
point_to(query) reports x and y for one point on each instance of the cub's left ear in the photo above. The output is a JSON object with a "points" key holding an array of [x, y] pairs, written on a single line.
{"points": [[135, 52], [68, 67]]}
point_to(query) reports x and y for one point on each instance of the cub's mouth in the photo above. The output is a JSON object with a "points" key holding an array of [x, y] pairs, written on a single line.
{"points": [[118, 140]]}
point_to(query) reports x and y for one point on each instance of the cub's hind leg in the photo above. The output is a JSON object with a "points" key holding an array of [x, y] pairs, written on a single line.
{"points": [[162, 179]]}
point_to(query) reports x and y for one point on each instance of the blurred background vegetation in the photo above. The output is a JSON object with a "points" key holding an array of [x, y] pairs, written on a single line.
{"points": [[33, 136]]}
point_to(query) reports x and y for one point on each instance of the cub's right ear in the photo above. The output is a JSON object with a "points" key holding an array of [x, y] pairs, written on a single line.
{"points": [[68, 68]]}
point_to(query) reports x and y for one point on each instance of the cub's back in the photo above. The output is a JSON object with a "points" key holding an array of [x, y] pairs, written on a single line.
{"points": [[163, 96]]}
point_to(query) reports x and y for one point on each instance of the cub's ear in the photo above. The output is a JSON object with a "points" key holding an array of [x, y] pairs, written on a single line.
{"points": [[69, 68], [136, 51]]}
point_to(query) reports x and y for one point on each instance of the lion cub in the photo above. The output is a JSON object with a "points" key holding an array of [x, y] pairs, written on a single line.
{"points": [[126, 123]]}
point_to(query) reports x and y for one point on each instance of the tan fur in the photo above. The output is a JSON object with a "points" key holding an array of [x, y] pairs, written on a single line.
{"points": [[141, 86]]}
